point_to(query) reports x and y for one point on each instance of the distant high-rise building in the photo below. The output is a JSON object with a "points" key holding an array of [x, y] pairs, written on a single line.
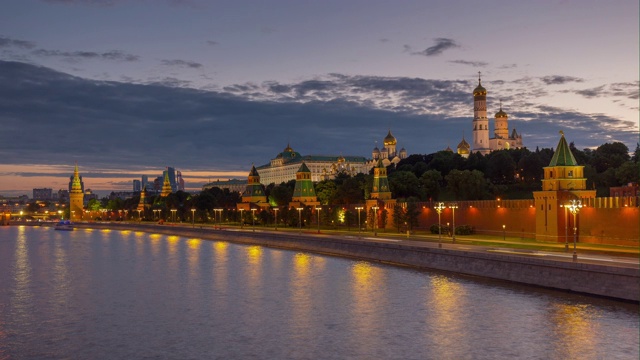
{"points": [[42, 194], [180, 181], [145, 181], [63, 196], [137, 185]]}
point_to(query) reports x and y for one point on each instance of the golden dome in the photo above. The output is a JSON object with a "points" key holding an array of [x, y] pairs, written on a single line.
{"points": [[390, 139], [288, 148], [479, 90], [501, 114], [463, 147]]}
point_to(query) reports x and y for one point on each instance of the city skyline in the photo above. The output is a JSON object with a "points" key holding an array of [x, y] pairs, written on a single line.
{"points": [[128, 88]]}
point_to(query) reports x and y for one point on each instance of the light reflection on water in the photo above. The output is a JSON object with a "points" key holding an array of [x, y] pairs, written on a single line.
{"points": [[123, 295]]}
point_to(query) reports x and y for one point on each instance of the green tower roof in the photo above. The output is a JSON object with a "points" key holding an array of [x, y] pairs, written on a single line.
{"points": [[563, 155], [303, 168]]}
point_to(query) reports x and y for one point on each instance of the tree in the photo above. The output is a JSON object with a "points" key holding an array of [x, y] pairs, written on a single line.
{"points": [[531, 167], [384, 215], [466, 185], [430, 182], [281, 195], [349, 192], [326, 190], [609, 156], [404, 184], [93, 205], [412, 213], [398, 217], [628, 172], [501, 168]]}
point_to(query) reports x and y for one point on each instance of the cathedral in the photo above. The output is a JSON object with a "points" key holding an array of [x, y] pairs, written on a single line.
{"points": [[482, 143], [388, 154]]}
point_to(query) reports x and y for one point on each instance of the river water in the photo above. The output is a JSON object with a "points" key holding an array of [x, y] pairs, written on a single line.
{"points": [[100, 294]]}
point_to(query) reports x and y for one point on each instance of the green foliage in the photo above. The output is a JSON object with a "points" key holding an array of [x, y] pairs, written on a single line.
{"points": [[430, 182], [399, 216], [281, 195], [412, 213], [501, 168], [464, 230], [466, 185], [93, 205], [628, 172], [326, 190], [404, 184]]}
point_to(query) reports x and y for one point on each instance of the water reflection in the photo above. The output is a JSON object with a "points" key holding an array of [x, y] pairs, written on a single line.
{"points": [[368, 289], [22, 299], [300, 299], [446, 308], [574, 327]]}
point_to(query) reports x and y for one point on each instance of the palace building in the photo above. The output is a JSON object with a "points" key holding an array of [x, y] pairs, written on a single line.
{"points": [[501, 139], [285, 165], [388, 153]]}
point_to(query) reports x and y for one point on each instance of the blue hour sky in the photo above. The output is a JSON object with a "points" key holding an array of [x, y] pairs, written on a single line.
{"points": [[127, 88]]}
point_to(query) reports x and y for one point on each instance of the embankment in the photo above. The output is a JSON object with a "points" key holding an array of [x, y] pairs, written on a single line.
{"points": [[595, 279]]}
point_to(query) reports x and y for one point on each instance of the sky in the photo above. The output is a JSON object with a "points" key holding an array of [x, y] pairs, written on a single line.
{"points": [[126, 88]]}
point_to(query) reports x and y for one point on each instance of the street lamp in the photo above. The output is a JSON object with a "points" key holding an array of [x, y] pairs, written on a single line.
{"points": [[300, 219], [318, 210], [375, 220], [139, 216], [453, 208], [439, 209], [575, 207], [276, 211], [193, 217], [242, 218], [566, 228], [359, 227], [253, 219], [503, 232], [173, 214]]}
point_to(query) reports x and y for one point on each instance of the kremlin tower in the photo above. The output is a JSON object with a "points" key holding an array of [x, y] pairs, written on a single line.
{"points": [[480, 120], [76, 196], [166, 186]]}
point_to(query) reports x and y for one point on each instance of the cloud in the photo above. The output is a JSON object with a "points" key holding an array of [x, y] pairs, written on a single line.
{"points": [[212, 43], [470, 63], [560, 79], [507, 66], [384, 40], [23, 44], [592, 93], [441, 45], [130, 127], [182, 63], [87, 55], [84, 2]]}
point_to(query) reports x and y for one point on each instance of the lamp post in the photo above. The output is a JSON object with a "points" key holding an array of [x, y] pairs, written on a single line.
{"points": [[575, 207], [276, 211], [173, 215], [193, 217], [242, 218], [453, 208], [299, 219], [375, 220], [566, 228], [125, 214], [139, 215], [503, 232], [439, 209], [253, 219], [359, 227], [318, 211]]}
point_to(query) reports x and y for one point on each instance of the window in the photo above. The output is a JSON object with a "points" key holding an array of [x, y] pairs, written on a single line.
{"points": [[570, 173]]}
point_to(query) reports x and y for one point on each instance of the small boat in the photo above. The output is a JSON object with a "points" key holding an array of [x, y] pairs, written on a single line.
{"points": [[65, 225]]}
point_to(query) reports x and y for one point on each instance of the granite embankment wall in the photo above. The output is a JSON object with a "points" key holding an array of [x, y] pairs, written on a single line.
{"points": [[609, 281]]}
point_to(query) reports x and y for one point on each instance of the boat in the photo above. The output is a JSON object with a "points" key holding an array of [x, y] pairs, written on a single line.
{"points": [[65, 225]]}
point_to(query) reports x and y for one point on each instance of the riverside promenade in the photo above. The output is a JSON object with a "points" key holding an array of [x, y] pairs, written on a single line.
{"points": [[607, 271]]}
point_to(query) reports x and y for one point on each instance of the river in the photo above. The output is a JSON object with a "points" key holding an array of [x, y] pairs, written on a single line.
{"points": [[106, 294]]}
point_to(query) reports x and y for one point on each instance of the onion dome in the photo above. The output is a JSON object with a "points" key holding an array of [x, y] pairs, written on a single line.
{"points": [[501, 114], [479, 90], [403, 151], [390, 139], [448, 149], [463, 147], [288, 148], [341, 159], [376, 150]]}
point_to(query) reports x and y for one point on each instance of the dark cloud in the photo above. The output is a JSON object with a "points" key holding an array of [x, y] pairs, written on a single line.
{"points": [[87, 55], [182, 63], [7, 42], [132, 127], [560, 79], [508, 66], [441, 45], [212, 43], [593, 92], [84, 2], [384, 40], [470, 63]]}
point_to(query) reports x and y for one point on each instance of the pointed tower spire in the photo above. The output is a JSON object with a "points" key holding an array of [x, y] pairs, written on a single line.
{"points": [[76, 195], [166, 185]]}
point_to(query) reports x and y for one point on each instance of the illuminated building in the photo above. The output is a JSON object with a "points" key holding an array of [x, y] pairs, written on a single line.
{"points": [[76, 195], [285, 165], [502, 139], [304, 194], [253, 193], [166, 186], [388, 154]]}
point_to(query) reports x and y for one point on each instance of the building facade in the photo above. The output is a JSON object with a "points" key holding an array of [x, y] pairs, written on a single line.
{"points": [[502, 139], [285, 165], [389, 153]]}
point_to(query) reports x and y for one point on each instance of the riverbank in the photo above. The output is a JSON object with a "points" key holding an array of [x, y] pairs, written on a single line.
{"points": [[586, 276]]}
